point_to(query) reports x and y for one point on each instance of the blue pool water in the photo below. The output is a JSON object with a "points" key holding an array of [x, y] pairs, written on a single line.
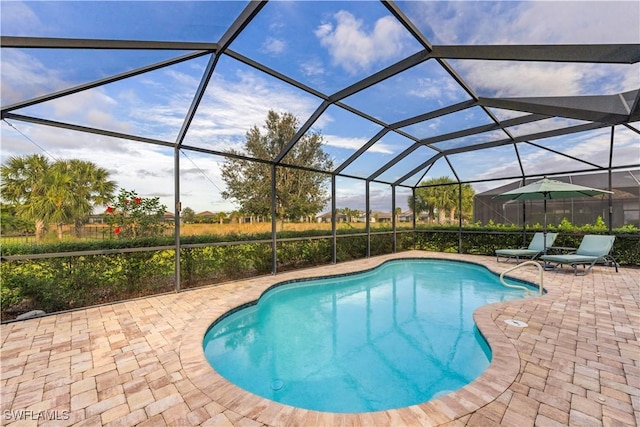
{"points": [[394, 336]]}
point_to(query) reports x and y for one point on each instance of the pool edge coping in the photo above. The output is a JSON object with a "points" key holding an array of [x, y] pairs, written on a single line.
{"points": [[495, 380]]}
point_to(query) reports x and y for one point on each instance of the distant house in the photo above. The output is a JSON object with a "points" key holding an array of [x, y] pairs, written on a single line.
{"points": [[407, 216], [97, 219], [169, 217], [326, 217], [379, 216], [375, 216], [205, 216]]}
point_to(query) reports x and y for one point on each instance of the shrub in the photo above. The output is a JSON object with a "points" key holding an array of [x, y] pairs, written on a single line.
{"points": [[131, 216]]}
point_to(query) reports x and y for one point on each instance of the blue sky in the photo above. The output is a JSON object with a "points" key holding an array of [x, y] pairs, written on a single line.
{"points": [[325, 45]]}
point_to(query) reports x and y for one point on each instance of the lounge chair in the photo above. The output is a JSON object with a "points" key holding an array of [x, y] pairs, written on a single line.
{"points": [[592, 249], [535, 248]]}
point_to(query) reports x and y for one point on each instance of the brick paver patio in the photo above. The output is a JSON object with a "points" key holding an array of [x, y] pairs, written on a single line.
{"points": [[141, 362]]}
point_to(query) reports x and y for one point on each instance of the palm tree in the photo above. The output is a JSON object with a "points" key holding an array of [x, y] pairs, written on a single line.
{"points": [[421, 203], [441, 195], [467, 201], [54, 202], [220, 217], [24, 182], [350, 213], [90, 187], [62, 192]]}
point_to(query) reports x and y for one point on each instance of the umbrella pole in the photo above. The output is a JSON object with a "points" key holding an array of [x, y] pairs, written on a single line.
{"points": [[544, 227]]}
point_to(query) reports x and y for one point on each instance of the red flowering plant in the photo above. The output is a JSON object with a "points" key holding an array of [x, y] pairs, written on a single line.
{"points": [[132, 216]]}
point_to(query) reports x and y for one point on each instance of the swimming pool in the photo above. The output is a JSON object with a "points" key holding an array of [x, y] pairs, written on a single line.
{"points": [[394, 336]]}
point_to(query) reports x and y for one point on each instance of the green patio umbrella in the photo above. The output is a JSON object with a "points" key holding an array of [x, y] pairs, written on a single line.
{"points": [[550, 189]]}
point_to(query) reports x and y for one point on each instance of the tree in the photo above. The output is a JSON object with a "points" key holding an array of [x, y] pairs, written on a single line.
{"points": [[350, 214], [91, 187], [132, 216], [467, 201], [74, 189], [440, 195], [421, 204], [188, 215], [62, 192], [23, 185], [235, 217], [10, 222], [299, 192], [220, 217]]}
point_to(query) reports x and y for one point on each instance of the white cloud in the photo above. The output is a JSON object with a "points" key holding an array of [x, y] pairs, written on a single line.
{"points": [[147, 169], [312, 67], [354, 48], [354, 144], [18, 19], [231, 107], [579, 22], [502, 79], [274, 46], [542, 22], [543, 125], [592, 147], [537, 22], [440, 89], [24, 77], [530, 79]]}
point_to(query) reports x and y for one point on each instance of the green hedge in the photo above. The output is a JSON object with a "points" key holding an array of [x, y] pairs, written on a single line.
{"points": [[56, 284], [626, 249]]}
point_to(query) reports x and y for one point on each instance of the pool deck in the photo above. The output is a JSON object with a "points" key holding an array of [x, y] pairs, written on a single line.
{"points": [[141, 362]]}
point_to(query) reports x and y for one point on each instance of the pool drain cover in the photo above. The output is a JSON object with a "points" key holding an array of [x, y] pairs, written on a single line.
{"points": [[277, 385], [518, 323]]}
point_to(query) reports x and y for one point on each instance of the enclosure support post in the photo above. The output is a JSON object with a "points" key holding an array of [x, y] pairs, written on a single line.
{"points": [[611, 183], [334, 240], [413, 219], [367, 203], [524, 217], [459, 217], [274, 254], [176, 218], [393, 218]]}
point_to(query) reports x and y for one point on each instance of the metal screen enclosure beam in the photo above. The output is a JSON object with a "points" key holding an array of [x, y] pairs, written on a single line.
{"points": [[393, 218], [611, 181], [197, 98], [274, 253], [413, 219], [101, 82], [459, 217], [367, 204], [176, 217], [334, 239]]}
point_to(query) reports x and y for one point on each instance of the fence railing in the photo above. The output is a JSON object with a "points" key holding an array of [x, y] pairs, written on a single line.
{"points": [[88, 232]]}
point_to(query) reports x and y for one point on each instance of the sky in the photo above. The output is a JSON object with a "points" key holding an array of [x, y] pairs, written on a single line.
{"points": [[326, 46]]}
